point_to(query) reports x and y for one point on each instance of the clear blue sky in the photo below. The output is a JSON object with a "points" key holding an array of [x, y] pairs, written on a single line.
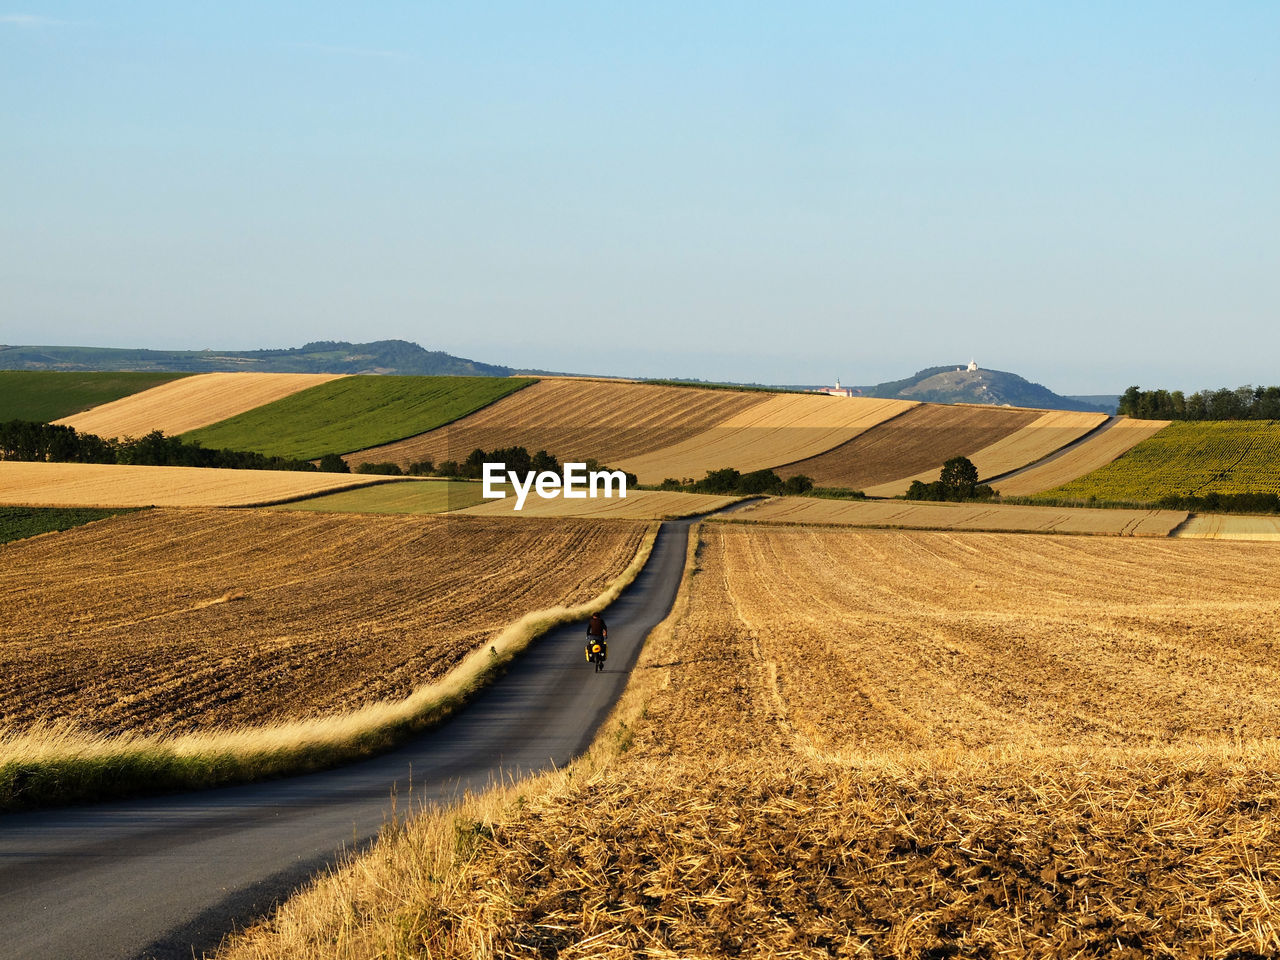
{"points": [[1083, 193]]}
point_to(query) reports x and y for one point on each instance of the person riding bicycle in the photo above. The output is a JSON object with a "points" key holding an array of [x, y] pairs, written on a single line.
{"points": [[596, 634]]}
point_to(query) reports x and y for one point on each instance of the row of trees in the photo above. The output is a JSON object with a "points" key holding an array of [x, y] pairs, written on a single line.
{"points": [[52, 443], [729, 481], [1242, 403]]}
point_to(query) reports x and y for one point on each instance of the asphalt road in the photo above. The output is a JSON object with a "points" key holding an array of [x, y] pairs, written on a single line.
{"points": [[168, 877]]}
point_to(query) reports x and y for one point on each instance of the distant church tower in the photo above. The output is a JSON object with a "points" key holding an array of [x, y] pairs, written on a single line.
{"points": [[973, 366]]}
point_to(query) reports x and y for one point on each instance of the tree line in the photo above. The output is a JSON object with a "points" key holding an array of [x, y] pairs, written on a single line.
{"points": [[54, 443], [1242, 403]]}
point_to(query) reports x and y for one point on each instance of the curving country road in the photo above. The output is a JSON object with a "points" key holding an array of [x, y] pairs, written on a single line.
{"points": [[168, 876]]}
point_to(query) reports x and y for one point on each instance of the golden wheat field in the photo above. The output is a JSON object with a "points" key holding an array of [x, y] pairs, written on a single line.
{"points": [[116, 485], [783, 429], [170, 621], [607, 420], [636, 505], [190, 403], [1096, 451], [1214, 527], [1053, 430], [922, 438], [963, 516], [880, 745]]}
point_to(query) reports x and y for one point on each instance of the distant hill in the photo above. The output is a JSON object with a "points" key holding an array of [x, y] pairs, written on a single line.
{"points": [[323, 356], [957, 384]]}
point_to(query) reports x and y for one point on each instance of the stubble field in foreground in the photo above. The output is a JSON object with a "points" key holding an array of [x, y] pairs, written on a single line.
{"points": [[173, 621], [884, 745]]}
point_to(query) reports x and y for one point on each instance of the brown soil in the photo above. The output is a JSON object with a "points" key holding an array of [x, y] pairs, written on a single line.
{"points": [[923, 437], [172, 621]]}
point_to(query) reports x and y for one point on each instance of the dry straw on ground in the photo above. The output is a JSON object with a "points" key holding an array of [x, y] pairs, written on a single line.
{"points": [[880, 745], [636, 505], [908, 514], [190, 403], [166, 621], [115, 485]]}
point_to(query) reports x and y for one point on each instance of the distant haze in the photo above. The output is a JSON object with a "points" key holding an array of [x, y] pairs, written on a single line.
{"points": [[1081, 193]]}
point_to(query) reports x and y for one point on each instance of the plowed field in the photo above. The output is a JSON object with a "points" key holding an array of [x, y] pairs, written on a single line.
{"points": [[1094, 452], [169, 621], [190, 402], [1050, 432], [919, 515], [575, 419], [921, 439], [112, 485], [783, 429]]}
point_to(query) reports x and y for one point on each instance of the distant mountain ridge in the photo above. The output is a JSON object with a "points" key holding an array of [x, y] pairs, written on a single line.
{"points": [[959, 384], [321, 356]]}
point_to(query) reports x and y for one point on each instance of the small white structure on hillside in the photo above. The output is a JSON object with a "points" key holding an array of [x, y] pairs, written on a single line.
{"points": [[837, 390], [973, 366]]}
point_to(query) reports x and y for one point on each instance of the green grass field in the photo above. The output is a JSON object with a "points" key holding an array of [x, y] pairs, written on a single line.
{"points": [[49, 395], [408, 496], [1238, 456], [18, 523], [353, 413]]}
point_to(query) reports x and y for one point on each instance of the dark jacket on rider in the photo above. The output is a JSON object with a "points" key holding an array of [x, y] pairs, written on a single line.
{"points": [[596, 627]]}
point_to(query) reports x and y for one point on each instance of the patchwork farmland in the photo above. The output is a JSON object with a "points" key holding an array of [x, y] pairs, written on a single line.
{"points": [[230, 617]]}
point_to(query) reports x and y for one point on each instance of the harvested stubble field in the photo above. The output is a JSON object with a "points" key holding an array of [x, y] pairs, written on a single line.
{"points": [[1209, 526], [190, 402], [173, 621], [923, 438], [404, 496], [885, 746], [575, 419], [115, 485], [637, 505], [1037, 440], [920, 515], [782, 429], [1189, 458], [1092, 453]]}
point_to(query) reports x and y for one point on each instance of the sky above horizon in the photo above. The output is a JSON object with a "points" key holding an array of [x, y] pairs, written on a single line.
{"points": [[1085, 194]]}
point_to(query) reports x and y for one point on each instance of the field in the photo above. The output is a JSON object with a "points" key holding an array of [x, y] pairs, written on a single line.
{"points": [[45, 395], [782, 429], [921, 439], [406, 496], [353, 413], [903, 745], [189, 403], [963, 516], [637, 505], [1211, 527], [1189, 458], [1051, 431], [169, 621], [18, 523], [602, 419], [110, 485], [1092, 453]]}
